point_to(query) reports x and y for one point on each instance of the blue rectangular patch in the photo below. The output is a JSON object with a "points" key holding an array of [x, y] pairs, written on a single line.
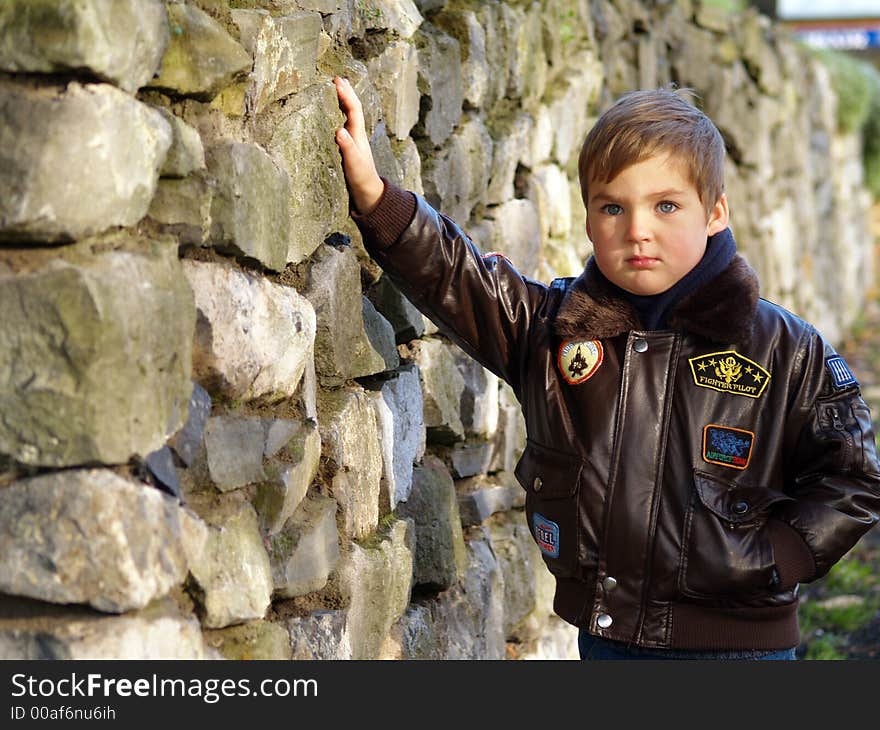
{"points": [[841, 375], [727, 446], [546, 535]]}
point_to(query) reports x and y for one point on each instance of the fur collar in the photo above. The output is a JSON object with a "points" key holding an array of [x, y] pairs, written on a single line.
{"points": [[723, 310]]}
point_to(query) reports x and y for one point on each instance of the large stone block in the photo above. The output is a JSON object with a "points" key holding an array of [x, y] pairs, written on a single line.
{"points": [[77, 161], [233, 576], [406, 320], [512, 544], [253, 337], [92, 536], [482, 496], [285, 53], [395, 72], [442, 386], [378, 581], [254, 640], [306, 551], [401, 17], [186, 154], [464, 26], [201, 58], [440, 555], [511, 137], [249, 209], [515, 232], [301, 139], [440, 82], [31, 630], [234, 450], [120, 41], [350, 441], [320, 635], [342, 348], [86, 375]]}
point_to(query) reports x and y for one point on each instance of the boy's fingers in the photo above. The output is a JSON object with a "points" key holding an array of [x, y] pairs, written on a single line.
{"points": [[351, 107]]}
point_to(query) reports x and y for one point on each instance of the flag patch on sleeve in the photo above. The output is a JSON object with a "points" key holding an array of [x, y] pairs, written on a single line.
{"points": [[546, 535], [841, 375]]}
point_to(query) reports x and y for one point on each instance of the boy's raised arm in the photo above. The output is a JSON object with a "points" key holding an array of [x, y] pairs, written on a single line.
{"points": [[364, 184]]}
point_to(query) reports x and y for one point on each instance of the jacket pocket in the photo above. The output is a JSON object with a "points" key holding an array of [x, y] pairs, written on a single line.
{"points": [[726, 551], [552, 482], [849, 425]]}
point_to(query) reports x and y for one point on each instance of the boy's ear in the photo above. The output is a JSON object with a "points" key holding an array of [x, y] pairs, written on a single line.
{"points": [[719, 216]]}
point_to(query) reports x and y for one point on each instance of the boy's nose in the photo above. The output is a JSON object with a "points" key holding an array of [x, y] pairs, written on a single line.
{"points": [[637, 227]]}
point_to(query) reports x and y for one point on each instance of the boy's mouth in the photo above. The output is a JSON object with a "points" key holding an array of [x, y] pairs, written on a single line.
{"points": [[642, 262]]}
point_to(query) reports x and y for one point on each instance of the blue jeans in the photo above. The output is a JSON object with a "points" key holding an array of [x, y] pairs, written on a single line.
{"points": [[592, 647]]}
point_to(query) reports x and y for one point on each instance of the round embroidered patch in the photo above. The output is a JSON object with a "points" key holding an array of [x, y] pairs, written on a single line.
{"points": [[579, 360]]}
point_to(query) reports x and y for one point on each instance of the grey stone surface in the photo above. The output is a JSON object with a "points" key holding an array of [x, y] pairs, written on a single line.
{"points": [[189, 440], [253, 338], [401, 17], [234, 448], [510, 439], [233, 575], [516, 234], [380, 334], [442, 388], [120, 41], [350, 442], [473, 457], [254, 640], [405, 319], [201, 58], [182, 207], [86, 374], [481, 496], [30, 630], [342, 348], [249, 209], [59, 148], [395, 72], [439, 81], [91, 536], [320, 635], [479, 400], [306, 551], [511, 138], [186, 154], [440, 555], [512, 545]]}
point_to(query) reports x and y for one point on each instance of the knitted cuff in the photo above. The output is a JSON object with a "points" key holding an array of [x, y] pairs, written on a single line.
{"points": [[794, 561], [387, 221]]}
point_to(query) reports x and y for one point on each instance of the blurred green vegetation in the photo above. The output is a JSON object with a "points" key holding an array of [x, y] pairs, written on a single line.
{"points": [[731, 5], [857, 84]]}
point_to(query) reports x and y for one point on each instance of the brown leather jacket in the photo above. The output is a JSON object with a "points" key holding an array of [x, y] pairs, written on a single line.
{"points": [[680, 483]]}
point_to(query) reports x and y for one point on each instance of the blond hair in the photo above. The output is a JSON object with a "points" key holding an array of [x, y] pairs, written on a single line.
{"points": [[646, 123]]}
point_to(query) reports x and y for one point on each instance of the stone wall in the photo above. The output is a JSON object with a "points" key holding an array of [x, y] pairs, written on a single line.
{"points": [[222, 432]]}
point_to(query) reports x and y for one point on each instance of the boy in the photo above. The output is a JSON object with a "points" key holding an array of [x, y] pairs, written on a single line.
{"points": [[694, 452]]}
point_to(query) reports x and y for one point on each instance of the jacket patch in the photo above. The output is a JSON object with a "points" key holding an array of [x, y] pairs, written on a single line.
{"points": [[729, 372], [578, 360], [546, 535], [727, 446], [841, 375]]}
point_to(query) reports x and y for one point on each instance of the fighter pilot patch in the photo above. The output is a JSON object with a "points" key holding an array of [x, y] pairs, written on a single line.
{"points": [[729, 372], [579, 360], [727, 446]]}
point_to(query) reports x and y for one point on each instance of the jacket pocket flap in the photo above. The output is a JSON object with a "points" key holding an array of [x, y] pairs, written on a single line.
{"points": [[737, 503], [548, 473]]}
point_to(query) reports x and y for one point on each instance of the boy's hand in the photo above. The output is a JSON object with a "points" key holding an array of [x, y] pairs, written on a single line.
{"points": [[364, 183]]}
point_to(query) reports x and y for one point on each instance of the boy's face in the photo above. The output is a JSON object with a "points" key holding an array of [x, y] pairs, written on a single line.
{"points": [[648, 225]]}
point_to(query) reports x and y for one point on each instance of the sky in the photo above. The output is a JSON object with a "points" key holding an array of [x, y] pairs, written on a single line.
{"points": [[827, 8]]}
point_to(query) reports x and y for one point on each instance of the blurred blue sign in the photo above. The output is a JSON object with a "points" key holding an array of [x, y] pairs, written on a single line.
{"points": [[843, 38]]}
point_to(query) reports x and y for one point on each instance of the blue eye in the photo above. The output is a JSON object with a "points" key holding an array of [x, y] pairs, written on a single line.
{"points": [[667, 207], [612, 209]]}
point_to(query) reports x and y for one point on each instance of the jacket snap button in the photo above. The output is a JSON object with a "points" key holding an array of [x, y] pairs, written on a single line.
{"points": [[640, 345], [610, 583], [537, 484], [604, 620], [741, 507]]}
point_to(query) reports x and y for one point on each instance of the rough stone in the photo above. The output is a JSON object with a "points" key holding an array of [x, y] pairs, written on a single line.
{"points": [[91, 536], [579, 92], [395, 72], [511, 137], [550, 193], [183, 208], [350, 440], [380, 334], [233, 576], [249, 209], [320, 635], [186, 154], [306, 551], [87, 376], [455, 178], [285, 53], [234, 449], [440, 82], [403, 440], [342, 348], [511, 543], [401, 17], [479, 400], [253, 338], [254, 640], [482, 496], [510, 438], [289, 480], [31, 630], [378, 581], [188, 441], [471, 458], [61, 147], [201, 58], [440, 555], [516, 234], [464, 26], [405, 319], [301, 139], [120, 41], [442, 388]]}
